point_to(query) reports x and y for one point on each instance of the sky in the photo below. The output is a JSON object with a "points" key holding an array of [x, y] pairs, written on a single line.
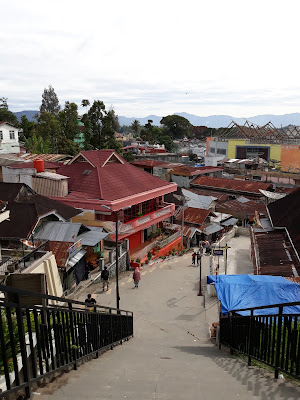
{"points": [[216, 57]]}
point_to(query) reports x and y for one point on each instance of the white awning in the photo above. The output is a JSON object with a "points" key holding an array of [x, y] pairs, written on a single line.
{"points": [[74, 260]]}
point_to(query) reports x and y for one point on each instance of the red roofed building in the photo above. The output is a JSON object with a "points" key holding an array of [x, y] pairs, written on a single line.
{"points": [[103, 177]]}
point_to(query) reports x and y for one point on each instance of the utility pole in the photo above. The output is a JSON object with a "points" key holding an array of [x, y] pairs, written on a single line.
{"points": [[117, 261]]}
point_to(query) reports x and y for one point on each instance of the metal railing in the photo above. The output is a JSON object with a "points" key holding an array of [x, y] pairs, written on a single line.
{"points": [[273, 340], [41, 335]]}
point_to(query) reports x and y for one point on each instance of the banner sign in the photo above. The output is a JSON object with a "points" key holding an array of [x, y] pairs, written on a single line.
{"points": [[75, 247]]}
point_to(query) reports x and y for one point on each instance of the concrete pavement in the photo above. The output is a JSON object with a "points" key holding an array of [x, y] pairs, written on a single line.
{"points": [[170, 356]]}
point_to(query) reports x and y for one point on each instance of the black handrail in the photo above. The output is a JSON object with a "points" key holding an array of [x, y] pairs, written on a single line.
{"points": [[45, 338], [271, 339]]}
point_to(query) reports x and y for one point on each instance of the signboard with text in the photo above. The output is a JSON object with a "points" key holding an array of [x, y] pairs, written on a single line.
{"points": [[218, 252], [75, 248]]}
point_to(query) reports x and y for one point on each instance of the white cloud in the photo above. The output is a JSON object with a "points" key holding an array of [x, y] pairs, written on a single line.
{"points": [[234, 57]]}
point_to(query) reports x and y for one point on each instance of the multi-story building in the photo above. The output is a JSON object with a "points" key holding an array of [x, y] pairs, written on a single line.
{"points": [[106, 187]]}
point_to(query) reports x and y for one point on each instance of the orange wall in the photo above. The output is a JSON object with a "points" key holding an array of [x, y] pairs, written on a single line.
{"points": [[290, 158], [208, 139]]}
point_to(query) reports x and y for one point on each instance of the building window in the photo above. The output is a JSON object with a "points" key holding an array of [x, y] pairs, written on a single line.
{"points": [[221, 151], [1, 135], [11, 134], [212, 150]]}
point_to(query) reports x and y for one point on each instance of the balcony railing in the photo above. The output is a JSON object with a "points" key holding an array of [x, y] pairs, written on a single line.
{"points": [[271, 339], [38, 339]]}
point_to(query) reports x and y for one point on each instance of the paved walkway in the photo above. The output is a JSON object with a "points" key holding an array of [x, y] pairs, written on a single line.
{"points": [[170, 356]]}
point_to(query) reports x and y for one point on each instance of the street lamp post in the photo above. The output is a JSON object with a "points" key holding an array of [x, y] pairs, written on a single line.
{"points": [[117, 261], [117, 252], [200, 283]]}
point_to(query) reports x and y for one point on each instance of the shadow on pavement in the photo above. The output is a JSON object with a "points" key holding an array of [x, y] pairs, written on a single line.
{"points": [[259, 382]]}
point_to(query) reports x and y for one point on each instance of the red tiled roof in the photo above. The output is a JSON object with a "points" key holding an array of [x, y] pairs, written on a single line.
{"points": [[232, 185], [107, 176], [195, 215]]}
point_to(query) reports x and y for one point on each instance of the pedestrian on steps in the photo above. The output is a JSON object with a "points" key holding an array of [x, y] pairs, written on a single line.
{"points": [[193, 258], [105, 278], [136, 277]]}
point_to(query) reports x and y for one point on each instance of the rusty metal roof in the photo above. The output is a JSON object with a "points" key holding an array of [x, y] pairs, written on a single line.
{"points": [[45, 157], [193, 171], [195, 216], [246, 207], [276, 254], [61, 252], [230, 185]]}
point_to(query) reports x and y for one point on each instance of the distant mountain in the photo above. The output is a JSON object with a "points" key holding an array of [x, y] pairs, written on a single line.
{"points": [[29, 114], [219, 121], [212, 121]]}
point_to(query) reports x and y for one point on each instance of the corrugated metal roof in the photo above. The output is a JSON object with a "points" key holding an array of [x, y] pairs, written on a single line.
{"points": [[92, 237], [231, 185], [212, 228], [230, 221], [196, 200], [195, 215], [74, 260], [45, 157], [69, 232], [58, 231], [51, 175]]}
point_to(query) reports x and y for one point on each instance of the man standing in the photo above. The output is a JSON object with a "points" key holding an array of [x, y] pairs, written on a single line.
{"points": [[105, 278]]}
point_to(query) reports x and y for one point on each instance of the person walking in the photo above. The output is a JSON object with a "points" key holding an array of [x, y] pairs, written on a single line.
{"points": [[193, 258], [136, 277], [199, 255], [105, 278]]}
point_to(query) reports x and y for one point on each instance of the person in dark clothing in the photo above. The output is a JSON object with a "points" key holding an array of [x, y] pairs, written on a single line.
{"points": [[90, 300], [105, 278], [193, 258]]}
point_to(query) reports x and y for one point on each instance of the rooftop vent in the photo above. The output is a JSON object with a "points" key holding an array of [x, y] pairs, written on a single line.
{"points": [[86, 172]]}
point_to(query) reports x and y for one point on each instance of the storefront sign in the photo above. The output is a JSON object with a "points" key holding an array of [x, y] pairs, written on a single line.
{"points": [[75, 248], [218, 253]]}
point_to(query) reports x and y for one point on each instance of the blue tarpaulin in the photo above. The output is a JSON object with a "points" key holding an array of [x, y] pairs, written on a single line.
{"points": [[246, 291]]}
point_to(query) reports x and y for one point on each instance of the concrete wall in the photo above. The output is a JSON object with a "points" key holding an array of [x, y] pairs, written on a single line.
{"points": [[47, 265], [18, 175]]}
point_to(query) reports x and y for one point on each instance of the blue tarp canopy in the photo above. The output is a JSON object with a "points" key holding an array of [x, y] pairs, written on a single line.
{"points": [[236, 292]]}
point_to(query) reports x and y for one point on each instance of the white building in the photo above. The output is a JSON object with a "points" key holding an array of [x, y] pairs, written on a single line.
{"points": [[9, 138]]}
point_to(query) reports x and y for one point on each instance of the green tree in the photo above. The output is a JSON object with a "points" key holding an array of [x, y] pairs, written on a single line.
{"points": [[50, 101], [5, 114], [129, 156], [85, 103], [67, 146], [115, 119], [28, 128], [136, 126], [178, 126], [38, 145], [101, 125], [68, 119], [49, 129], [146, 132]]}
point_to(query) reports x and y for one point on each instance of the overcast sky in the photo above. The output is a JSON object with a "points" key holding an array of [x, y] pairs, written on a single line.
{"points": [[236, 57]]}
